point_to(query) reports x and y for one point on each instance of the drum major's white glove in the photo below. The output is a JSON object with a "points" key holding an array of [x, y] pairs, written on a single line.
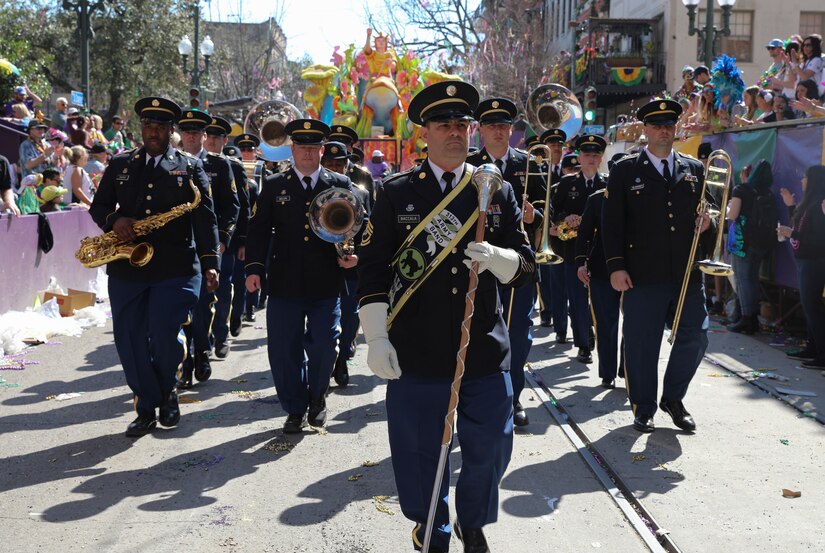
{"points": [[502, 262], [381, 356]]}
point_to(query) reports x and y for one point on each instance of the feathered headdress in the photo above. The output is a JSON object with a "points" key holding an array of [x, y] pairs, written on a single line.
{"points": [[727, 81]]}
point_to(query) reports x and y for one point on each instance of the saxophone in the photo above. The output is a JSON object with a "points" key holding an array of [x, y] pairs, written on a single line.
{"points": [[100, 250]]}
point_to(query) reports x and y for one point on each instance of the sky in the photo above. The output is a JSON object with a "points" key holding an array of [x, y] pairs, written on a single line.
{"points": [[311, 26]]}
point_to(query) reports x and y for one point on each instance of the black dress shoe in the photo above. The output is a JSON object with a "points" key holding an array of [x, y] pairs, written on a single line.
{"points": [[317, 411], [520, 417], [221, 350], [817, 364], [644, 423], [546, 323], [561, 339], [294, 424], [235, 328], [142, 425], [678, 413], [608, 384], [472, 538], [249, 317], [584, 356], [341, 372], [203, 369], [170, 410], [185, 380]]}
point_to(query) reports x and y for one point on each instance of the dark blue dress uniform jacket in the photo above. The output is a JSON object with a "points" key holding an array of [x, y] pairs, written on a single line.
{"points": [[649, 223], [569, 199], [224, 194], [589, 239], [302, 265], [427, 330], [242, 186], [515, 172], [184, 246]]}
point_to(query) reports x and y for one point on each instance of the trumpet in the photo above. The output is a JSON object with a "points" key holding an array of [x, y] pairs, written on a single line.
{"points": [[718, 175], [336, 215]]}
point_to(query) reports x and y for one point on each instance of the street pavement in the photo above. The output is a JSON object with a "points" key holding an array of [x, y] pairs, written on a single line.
{"points": [[226, 479]]}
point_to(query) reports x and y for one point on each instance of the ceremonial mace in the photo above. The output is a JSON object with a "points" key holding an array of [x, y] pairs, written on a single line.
{"points": [[487, 180]]}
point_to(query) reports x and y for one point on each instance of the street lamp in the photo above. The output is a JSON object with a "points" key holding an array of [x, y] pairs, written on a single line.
{"points": [[186, 48], [709, 32], [84, 10]]}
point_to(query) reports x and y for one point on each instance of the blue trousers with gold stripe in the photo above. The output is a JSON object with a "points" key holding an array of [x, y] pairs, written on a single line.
{"points": [[647, 309], [416, 407], [147, 319], [605, 303], [302, 343], [203, 314], [224, 303], [519, 320]]}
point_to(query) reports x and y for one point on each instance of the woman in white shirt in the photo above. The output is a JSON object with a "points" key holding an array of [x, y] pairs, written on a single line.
{"points": [[77, 179], [810, 67]]}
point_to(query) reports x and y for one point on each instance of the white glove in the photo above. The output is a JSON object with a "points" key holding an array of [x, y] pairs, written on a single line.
{"points": [[381, 357], [502, 262]]}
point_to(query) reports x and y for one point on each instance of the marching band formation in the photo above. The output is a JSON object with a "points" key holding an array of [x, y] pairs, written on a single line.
{"points": [[441, 266]]}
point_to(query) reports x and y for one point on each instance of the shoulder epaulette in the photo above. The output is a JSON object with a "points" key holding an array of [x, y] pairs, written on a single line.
{"points": [[599, 191], [519, 150], [687, 156], [187, 154], [219, 156], [397, 176]]}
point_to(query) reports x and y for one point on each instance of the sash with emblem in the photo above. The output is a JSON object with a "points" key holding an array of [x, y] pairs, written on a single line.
{"points": [[429, 243]]}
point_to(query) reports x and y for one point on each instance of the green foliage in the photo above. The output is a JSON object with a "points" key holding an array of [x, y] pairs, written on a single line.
{"points": [[16, 26]]}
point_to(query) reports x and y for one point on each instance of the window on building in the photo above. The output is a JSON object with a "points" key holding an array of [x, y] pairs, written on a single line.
{"points": [[811, 23], [740, 42]]}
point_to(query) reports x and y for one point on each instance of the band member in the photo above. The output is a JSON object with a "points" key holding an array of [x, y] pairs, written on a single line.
{"points": [[548, 283], [649, 220], [357, 174], [336, 158], [232, 270], [417, 246], [495, 118], [192, 128], [248, 144], [568, 206], [604, 300], [305, 276], [150, 304]]}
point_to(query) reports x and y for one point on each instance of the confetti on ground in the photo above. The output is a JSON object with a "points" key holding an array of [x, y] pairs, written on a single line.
{"points": [[369, 463], [379, 504], [790, 493], [279, 445], [185, 399], [354, 477], [222, 517], [718, 375], [5, 384], [54, 343], [245, 393], [228, 542], [259, 327], [811, 414], [203, 463], [784, 442], [639, 457], [64, 397], [320, 430], [239, 381], [663, 466]]}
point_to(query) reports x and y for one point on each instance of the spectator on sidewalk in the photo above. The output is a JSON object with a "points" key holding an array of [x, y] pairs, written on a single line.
{"points": [[61, 106], [94, 126], [76, 127], [77, 180], [805, 90], [115, 136], [776, 50], [21, 116], [688, 84], [781, 110], [377, 167], [808, 220], [22, 95], [810, 66], [97, 160], [34, 151], [791, 59], [57, 140], [7, 202], [749, 107], [748, 242]]}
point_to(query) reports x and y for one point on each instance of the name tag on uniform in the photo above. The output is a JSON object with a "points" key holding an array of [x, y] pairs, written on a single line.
{"points": [[637, 187], [409, 218], [691, 178], [121, 178], [181, 173], [281, 198]]}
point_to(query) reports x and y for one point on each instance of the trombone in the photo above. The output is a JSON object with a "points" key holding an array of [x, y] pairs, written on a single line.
{"points": [[545, 254], [719, 176]]}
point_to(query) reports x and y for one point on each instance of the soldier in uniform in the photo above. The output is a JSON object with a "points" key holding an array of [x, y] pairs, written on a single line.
{"points": [[150, 304], [232, 260], [192, 128], [554, 139], [568, 206], [305, 277], [336, 158], [420, 220], [247, 144], [649, 219], [495, 118], [357, 174]]}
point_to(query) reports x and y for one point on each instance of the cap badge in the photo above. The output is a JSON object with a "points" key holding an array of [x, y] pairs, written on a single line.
{"points": [[662, 105], [155, 103], [495, 104], [451, 90], [591, 138], [307, 125], [339, 129], [189, 114], [335, 149]]}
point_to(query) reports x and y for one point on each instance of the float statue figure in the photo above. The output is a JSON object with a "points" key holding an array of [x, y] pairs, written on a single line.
{"points": [[379, 100]]}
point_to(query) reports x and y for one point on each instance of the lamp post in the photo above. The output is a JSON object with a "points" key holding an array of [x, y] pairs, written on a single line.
{"points": [[84, 16], [709, 32], [185, 49]]}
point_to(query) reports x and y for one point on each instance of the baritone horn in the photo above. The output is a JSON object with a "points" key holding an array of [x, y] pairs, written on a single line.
{"points": [[718, 174], [336, 215]]}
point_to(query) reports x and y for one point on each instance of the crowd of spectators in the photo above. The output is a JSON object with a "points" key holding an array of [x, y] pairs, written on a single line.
{"points": [[790, 88], [66, 154]]}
